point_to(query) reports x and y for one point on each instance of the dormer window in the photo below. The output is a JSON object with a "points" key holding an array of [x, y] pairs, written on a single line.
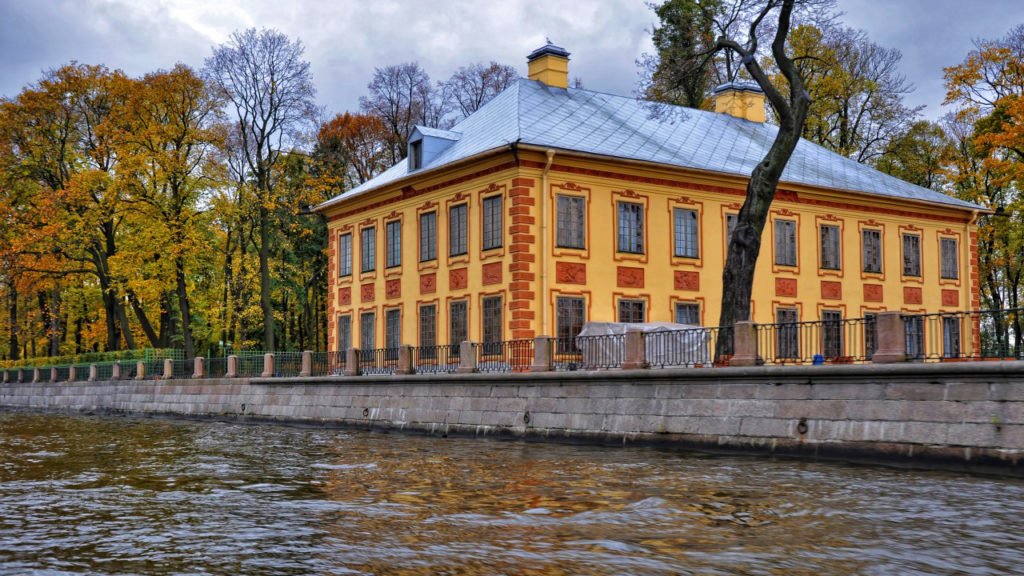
{"points": [[425, 144], [415, 155]]}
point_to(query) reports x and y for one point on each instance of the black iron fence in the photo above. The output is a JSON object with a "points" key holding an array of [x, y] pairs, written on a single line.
{"points": [[832, 341], [442, 359], [378, 360], [970, 335], [601, 352], [693, 347], [505, 356]]}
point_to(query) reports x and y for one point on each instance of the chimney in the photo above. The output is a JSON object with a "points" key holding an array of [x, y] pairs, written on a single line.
{"points": [[740, 99], [550, 65]]}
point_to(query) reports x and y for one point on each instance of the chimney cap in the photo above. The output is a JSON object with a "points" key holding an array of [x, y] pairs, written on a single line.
{"points": [[546, 49], [738, 86]]}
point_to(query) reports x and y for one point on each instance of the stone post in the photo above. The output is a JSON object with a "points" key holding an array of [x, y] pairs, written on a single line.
{"points": [[232, 369], [115, 370], [168, 369], [72, 373], [53, 374], [268, 366], [636, 350], [405, 360], [891, 338], [307, 364], [543, 351], [352, 362], [744, 344], [140, 370], [467, 358], [94, 372], [36, 375], [199, 367]]}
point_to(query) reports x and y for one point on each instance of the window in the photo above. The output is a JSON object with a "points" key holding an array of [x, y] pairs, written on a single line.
{"points": [[369, 249], [428, 330], [492, 223], [914, 333], [688, 313], [950, 337], [950, 258], [428, 236], [569, 319], [831, 333], [787, 333], [457, 244], [631, 228], [911, 255], [492, 319], [458, 324], [367, 325], [571, 222], [631, 311], [871, 250], [393, 331], [870, 335], [730, 227], [344, 255], [830, 247], [344, 341], [415, 155], [785, 242], [686, 233], [393, 232]]}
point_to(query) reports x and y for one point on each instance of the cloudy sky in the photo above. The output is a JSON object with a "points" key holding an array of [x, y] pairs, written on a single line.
{"points": [[346, 39]]}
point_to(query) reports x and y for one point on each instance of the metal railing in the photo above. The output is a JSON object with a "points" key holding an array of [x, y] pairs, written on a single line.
{"points": [[287, 364], [566, 355], [81, 372], [603, 352], [216, 367], [250, 365], [694, 347], [840, 341], [969, 335], [505, 356], [378, 360], [443, 359], [328, 363]]}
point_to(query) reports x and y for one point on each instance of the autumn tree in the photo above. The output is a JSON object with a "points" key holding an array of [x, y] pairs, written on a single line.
{"points": [[472, 86], [350, 149], [57, 134], [855, 87], [917, 155], [168, 139], [270, 87]]}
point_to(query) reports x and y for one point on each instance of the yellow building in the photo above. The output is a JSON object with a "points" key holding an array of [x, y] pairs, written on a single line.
{"points": [[552, 206]]}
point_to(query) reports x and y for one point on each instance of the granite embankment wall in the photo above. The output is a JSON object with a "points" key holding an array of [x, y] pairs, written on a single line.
{"points": [[966, 416]]}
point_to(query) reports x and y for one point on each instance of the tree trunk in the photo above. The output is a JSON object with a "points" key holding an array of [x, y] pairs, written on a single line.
{"points": [[12, 343], [140, 314], [183, 306], [265, 301], [56, 326]]}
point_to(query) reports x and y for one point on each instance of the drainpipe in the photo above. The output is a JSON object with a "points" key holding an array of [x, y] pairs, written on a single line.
{"points": [[543, 251]]}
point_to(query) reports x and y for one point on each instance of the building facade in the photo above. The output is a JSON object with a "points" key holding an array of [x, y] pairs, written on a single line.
{"points": [[551, 207]]}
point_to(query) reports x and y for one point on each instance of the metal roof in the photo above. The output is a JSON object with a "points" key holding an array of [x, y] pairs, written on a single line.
{"points": [[590, 122]]}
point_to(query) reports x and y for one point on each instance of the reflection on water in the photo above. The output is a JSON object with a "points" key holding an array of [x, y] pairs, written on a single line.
{"points": [[89, 495]]}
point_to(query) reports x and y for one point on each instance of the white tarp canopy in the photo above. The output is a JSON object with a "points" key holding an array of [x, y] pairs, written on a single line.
{"points": [[682, 345]]}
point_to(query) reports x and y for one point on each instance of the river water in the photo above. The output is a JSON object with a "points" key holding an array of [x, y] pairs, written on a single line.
{"points": [[100, 495]]}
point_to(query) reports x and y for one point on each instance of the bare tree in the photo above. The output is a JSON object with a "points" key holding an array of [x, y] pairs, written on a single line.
{"points": [[263, 74], [470, 87], [402, 95], [791, 111]]}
